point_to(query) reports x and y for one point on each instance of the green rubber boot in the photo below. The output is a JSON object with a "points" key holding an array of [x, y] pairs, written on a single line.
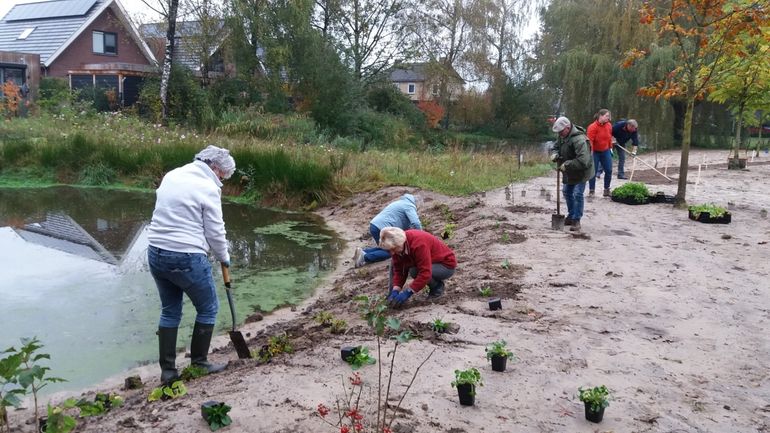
{"points": [[199, 348]]}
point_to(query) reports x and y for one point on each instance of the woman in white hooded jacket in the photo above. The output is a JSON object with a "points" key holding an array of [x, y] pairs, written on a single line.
{"points": [[186, 223]]}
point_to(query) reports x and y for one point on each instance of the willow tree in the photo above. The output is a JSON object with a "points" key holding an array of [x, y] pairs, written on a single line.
{"points": [[744, 82], [701, 33]]}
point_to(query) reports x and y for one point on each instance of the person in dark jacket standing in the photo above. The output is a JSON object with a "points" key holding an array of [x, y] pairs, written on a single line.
{"points": [[622, 131], [420, 255], [186, 223], [573, 156]]}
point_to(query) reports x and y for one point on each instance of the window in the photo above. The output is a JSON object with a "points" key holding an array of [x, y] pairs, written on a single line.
{"points": [[410, 88], [435, 90], [105, 43], [25, 34]]}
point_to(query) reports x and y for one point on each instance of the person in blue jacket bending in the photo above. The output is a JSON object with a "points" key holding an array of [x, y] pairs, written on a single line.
{"points": [[401, 213]]}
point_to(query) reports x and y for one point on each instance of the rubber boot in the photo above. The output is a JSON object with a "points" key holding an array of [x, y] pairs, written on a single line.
{"points": [[199, 348], [167, 355], [436, 290]]}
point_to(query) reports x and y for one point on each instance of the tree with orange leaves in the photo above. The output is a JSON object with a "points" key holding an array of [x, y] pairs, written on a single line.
{"points": [[11, 99], [433, 112], [703, 33]]}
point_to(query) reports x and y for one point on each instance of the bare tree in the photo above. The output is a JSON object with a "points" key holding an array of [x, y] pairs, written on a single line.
{"points": [[168, 9]]}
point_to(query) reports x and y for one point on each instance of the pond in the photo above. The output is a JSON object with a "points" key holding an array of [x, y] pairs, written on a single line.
{"points": [[75, 275]]}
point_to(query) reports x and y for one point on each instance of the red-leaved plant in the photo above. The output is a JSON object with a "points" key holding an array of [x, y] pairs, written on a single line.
{"points": [[351, 408]]}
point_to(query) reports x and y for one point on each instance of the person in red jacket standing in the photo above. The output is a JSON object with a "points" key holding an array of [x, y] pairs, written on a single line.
{"points": [[600, 135], [422, 256]]}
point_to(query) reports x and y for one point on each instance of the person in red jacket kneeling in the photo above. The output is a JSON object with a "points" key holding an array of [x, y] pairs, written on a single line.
{"points": [[422, 256]]}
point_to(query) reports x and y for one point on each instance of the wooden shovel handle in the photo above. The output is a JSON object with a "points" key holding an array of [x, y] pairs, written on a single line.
{"points": [[226, 275]]}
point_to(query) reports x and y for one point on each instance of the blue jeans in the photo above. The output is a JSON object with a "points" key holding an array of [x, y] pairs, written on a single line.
{"points": [[605, 159], [573, 195], [178, 273], [374, 254]]}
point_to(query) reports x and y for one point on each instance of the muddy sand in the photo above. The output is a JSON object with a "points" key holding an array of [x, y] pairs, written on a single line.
{"points": [[670, 314]]}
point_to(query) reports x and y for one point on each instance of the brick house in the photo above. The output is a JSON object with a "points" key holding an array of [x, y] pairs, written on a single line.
{"points": [[422, 81], [91, 43]]}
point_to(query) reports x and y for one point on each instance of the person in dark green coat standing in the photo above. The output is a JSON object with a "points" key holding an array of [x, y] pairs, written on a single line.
{"points": [[573, 158]]}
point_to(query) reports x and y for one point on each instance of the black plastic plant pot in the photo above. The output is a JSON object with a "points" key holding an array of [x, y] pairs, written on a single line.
{"points": [[133, 382], [205, 406], [348, 351], [706, 218], [629, 200], [43, 423], [593, 416], [467, 394], [661, 197], [499, 362], [495, 304]]}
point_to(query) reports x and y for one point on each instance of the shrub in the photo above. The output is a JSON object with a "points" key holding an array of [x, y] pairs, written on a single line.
{"points": [[633, 190], [385, 98], [98, 174], [54, 94], [433, 113], [713, 210]]}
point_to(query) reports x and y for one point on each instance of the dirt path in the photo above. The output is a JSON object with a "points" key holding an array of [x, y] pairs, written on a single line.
{"points": [[670, 314]]}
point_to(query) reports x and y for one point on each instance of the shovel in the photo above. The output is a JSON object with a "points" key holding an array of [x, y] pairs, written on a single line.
{"points": [[557, 220], [235, 336]]}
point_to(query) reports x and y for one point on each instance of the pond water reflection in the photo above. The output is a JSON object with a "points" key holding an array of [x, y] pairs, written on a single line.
{"points": [[74, 274]]}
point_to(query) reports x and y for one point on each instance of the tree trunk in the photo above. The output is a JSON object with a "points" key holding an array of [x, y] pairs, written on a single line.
{"points": [[737, 145], [681, 192], [173, 5], [680, 109]]}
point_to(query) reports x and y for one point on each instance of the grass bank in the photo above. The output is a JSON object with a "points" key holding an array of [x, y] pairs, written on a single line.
{"points": [[293, 166]]}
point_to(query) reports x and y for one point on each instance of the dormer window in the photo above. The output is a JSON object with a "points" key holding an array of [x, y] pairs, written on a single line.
{"points": [[105, 43], [25, 34]]}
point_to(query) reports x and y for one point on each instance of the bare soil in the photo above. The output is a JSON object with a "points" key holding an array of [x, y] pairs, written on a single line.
{"points": [[668, 313]]}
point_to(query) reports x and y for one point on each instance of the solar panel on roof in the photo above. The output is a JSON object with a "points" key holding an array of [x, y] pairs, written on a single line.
{"points": [[50, 9]]}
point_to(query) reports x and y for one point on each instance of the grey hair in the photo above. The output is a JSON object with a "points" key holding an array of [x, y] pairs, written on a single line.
{"points": [[633, 123], [391, 237], [219, 158]]}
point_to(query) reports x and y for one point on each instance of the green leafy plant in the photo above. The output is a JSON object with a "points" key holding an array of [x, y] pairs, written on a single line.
{"points": [[448, 231], [325, 318], [193, 372], [102, 403], [498, 348], [471, 376], [10, 395], [632, 190], [506, 264], [32, 375], [360, 358], [176, 390], [505, 238], [713, 210], [338, 326], [439, 325], [59, 420], [276, 345], [216, 416], [598, 397], [485, 291]]}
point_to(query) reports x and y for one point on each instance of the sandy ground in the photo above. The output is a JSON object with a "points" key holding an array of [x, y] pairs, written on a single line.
{"points": [[670, 314]]}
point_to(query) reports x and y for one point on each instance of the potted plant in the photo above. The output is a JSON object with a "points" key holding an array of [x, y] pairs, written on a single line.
{"points": [[360, 358], [709, 213], [498, 353], [495, 304], [595, 400], [215, 414], [466, 382], [347, 352], [631, 193]]}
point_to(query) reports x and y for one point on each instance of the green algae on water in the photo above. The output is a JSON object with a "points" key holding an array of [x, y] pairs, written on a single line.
{"points": [[290, 230]]}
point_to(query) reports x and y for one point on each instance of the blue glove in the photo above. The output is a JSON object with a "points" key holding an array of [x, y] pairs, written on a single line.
{"points": [[392, 295], [402, 297]]}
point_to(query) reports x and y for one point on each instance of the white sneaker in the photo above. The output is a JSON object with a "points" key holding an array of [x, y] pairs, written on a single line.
{"points": [[358, 258]]}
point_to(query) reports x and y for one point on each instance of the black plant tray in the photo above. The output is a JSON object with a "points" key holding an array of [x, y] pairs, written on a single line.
{"points": [[705, 217], [662, 198], [629, 200]]}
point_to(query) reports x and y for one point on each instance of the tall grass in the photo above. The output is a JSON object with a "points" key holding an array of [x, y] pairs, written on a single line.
{"points": [[294, 161]]}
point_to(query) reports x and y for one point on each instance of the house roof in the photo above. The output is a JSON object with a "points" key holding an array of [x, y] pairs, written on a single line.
{"points": [[412, 72], [56, 24], [185, 45]]}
